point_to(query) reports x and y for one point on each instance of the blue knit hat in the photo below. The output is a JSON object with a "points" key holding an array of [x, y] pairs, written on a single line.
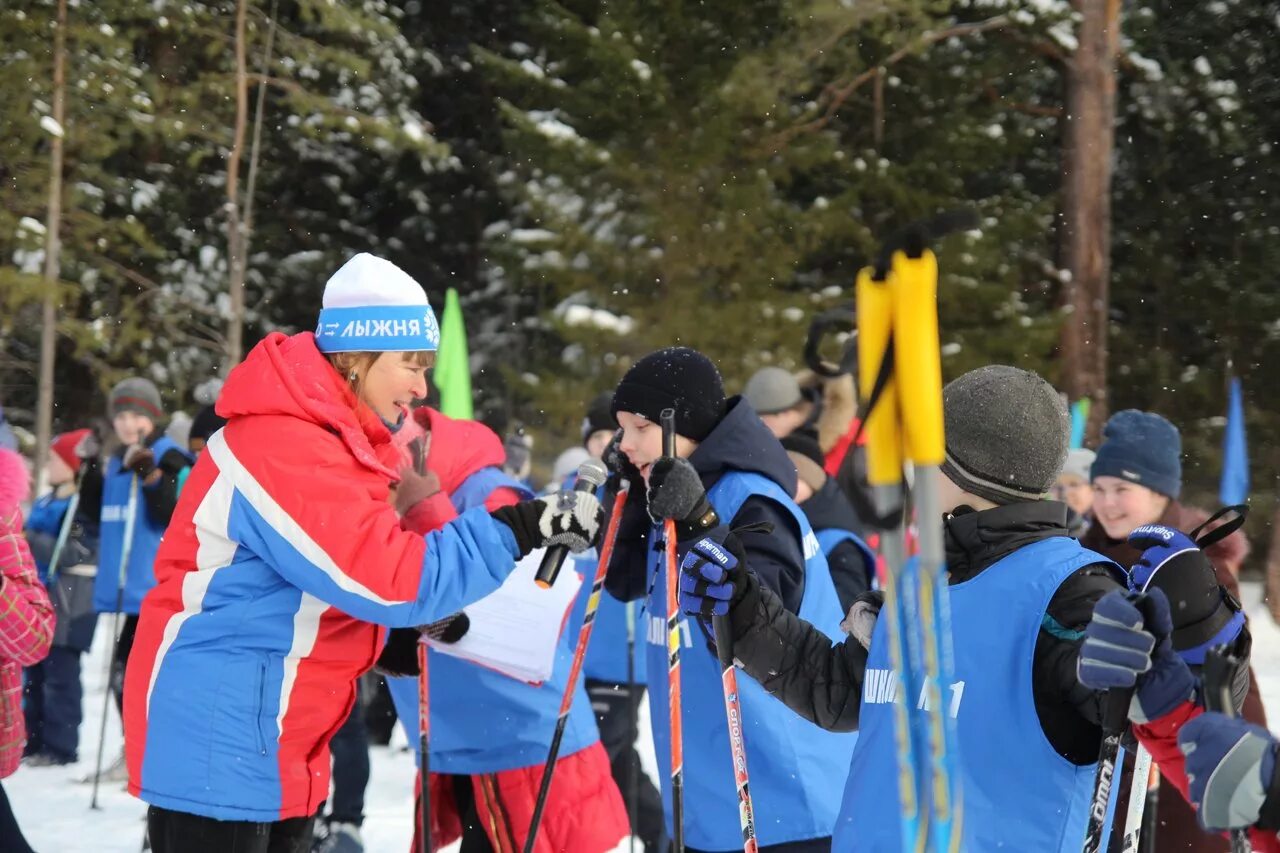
{"points": [[1143, 448], [371, 305]]}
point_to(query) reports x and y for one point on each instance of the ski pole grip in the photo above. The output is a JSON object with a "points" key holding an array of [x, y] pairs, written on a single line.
{"points": [[1115, 710], [668, 421], [1219, 669]]}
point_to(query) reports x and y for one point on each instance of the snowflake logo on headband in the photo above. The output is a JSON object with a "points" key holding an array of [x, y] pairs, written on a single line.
{"points": [[432, 327]]}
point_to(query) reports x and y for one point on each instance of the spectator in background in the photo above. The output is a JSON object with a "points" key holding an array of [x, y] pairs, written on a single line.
{"points": [[26, 631], [1137, 479], [1075, 490], [8, 441], [852, 563], [779, 401], [54, 693]]}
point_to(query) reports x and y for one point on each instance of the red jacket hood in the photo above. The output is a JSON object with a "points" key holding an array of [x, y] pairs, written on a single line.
{"points": [[458, 448], [289, 377], [15, 487]]}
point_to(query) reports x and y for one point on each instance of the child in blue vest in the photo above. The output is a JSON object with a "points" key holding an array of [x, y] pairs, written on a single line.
{"points": [[489, 732], [54, 693], [728, 460], [1022, 591], [615, 700], [853, 565], [139, 490]]}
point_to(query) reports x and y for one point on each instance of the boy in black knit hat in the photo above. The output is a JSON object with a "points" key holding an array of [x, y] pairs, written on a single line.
{"points": [[1021, 592], [727, 460]]}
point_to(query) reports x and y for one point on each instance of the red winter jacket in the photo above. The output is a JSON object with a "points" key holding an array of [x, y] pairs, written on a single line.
{"points": [[585, 812], [1160, 737], [26, 616]]}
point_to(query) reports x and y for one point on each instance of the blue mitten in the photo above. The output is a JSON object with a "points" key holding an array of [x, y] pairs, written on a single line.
{"points": [[1230, 765], [1127, 645], [711, 577]]}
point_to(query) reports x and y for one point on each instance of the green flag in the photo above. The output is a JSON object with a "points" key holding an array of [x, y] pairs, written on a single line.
{"points": [[452, 375]]}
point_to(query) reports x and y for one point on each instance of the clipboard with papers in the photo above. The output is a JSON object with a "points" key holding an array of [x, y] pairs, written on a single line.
{"points": [[516, 628]]}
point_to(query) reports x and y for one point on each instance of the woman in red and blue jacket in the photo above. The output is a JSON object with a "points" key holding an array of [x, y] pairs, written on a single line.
{"points": [[284, 565]]}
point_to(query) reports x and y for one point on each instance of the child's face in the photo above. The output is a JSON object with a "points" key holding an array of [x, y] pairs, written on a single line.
{"points": [[132, 427], [59, 472], [1075, 492], [642, 442], [1122, 507]]}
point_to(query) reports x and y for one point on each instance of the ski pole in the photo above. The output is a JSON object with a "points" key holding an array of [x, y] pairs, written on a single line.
{"points": [[914, 291], [130, 518], [1115, 717], [1219, 666], [1138, 794], [733, 715], [674, 703], [418, 459], [424, 749], [579, 653], [64, 531], [884, 474], [633, 766]]}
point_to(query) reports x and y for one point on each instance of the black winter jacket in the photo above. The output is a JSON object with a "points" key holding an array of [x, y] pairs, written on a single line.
{"points": [[828, 508], [823, 683], [739, 442]]}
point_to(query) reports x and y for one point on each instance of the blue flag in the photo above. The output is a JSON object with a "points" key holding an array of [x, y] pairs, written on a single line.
{"points": [[1234, 488]]}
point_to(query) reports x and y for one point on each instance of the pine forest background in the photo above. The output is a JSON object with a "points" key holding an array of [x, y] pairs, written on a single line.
{"points": [[599, 178]]}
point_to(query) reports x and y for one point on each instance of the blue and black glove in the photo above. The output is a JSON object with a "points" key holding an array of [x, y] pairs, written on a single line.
{"points": [[1231, 768], [1127, 645], [711, 577]]}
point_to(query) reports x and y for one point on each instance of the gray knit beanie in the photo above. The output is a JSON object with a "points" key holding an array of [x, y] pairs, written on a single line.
{"points": [[1007, 434], [771, 390], [136, 395]]}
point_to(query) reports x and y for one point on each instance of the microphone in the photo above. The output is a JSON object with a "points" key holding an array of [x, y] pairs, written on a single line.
{"points": [[591, 476]]}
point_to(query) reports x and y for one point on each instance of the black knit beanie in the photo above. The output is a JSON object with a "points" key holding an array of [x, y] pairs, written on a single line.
{"points": [[599, 416], [674, 378]]}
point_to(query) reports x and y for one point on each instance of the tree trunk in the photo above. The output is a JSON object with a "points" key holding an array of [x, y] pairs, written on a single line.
{"points": [[1271, 588], [52, 251], [1086, 204], [235, 235]]}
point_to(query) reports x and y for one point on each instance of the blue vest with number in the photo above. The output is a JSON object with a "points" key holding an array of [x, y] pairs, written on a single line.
{"points": [[796, 768], [139, 574], [1019, 793], [483, 721]]}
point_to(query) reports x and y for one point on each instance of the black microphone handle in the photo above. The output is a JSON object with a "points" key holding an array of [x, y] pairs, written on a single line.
{"points": [[553, 559]]}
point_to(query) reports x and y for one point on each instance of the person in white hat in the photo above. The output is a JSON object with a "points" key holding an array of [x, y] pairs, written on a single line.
{"points": [[286, 562]]}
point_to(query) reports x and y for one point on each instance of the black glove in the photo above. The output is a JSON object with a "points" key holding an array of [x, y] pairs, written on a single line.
{"points": [[676, 492], [450, 629], [139, 459], [400, 656], [620, 467], [572, 519]]}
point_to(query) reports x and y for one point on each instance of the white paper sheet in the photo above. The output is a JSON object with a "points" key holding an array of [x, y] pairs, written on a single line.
{"points": [[516, 628]]}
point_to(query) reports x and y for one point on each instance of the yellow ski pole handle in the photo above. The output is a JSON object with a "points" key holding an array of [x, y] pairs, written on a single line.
{"points": [[913, 284], [880, 421]]}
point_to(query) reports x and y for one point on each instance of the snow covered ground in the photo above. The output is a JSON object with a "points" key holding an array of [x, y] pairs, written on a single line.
{"points": [[53, 808]]}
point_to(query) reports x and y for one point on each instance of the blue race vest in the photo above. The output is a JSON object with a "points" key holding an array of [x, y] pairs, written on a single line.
{"points": [[482, 721], [606, 658], [831, 537], [796, 768], [139, 575], [45, 522], [1019, 794]]}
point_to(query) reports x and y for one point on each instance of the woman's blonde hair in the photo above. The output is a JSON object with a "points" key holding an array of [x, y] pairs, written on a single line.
{"points": [[353, 366]]}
